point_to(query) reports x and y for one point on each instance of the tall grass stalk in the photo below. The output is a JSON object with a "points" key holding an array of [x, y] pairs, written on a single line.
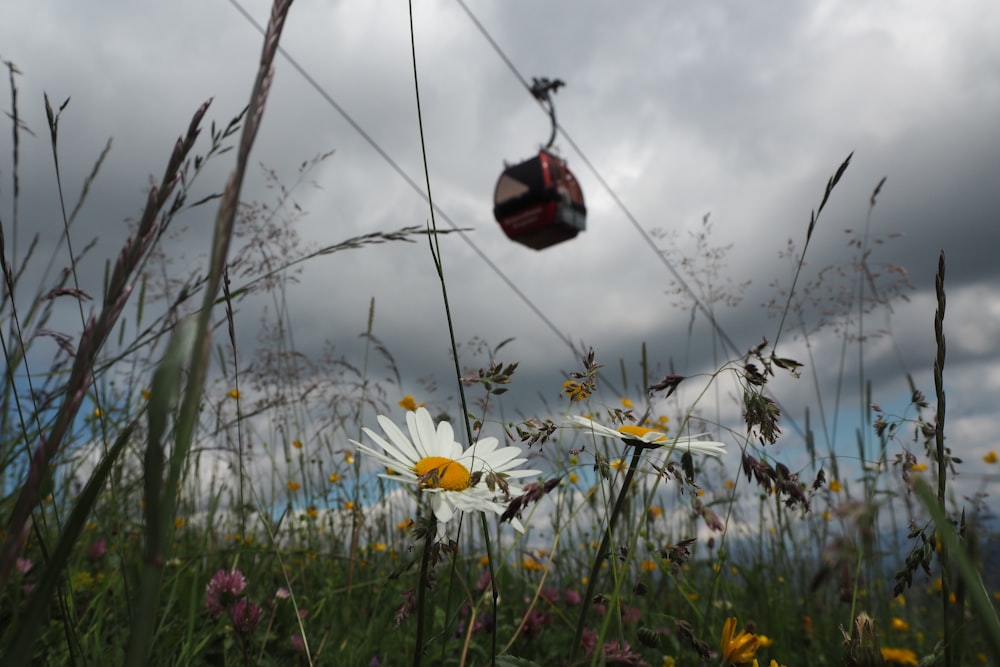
{"points": [[161, 497], [813, 219], [952, 630], [435, 248]]}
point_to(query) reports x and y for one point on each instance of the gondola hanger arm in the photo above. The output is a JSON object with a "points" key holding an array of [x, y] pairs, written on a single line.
{"points": [[541, 89]]}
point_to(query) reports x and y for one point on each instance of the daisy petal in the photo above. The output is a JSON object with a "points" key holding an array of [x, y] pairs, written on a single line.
{"points": [[445, 433], [390, 449], [400, 440], [442, 507], [422, 431], [484, 447]]}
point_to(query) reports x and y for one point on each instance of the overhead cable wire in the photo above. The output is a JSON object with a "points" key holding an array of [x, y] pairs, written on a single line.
{"points": [[315, 85], [607, 186]]}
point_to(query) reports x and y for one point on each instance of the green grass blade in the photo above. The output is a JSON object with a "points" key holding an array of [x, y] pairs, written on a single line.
{"points": [[23, 635], [158, 498], [978, 596]]}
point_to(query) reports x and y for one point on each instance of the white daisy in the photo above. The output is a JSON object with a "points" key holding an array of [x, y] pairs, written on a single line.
{"points": [[642, 436], [453, 478]]}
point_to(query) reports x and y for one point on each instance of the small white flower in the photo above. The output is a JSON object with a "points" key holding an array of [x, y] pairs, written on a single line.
{"points": [[653, 438], [454, 479]]}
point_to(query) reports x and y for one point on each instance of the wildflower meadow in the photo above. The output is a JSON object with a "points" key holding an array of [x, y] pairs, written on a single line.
{"points": [[168, 498]]}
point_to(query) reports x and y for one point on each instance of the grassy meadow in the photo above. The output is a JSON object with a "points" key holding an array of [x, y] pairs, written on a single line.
{"points": [[167, 498]]}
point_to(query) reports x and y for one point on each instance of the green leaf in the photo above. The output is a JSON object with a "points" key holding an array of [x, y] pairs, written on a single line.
{"points": [[163, 400]]}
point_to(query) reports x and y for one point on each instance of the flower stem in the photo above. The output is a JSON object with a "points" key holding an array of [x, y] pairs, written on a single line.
{"points": [[604, 550], [418, 652], [493, 588]]}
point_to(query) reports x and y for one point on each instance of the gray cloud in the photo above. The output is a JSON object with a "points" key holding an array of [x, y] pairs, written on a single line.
{"points": [[741, 111]]}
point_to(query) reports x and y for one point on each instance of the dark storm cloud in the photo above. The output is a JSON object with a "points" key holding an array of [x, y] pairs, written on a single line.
{"points": [[734, 109]]}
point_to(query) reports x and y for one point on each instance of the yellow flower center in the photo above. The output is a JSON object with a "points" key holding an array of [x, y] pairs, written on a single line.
{"points": [[639, 432], [438, 472]]}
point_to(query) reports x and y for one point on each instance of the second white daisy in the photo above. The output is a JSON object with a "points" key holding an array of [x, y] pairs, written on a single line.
{"points": [[640, 435]]}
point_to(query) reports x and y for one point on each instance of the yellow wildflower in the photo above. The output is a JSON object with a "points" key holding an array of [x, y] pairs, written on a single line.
{"points": [[234, 394], [576, 391], [900, 656], [294, 486], [900, 624], [835, 486], [409, 404], [82, 580], [991, 457], [739, 648], [529, 563]]}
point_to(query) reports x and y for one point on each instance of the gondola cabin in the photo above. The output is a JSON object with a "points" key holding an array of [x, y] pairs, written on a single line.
{"points": [[538, 202]]}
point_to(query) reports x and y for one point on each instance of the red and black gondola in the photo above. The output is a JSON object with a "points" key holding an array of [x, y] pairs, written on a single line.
{"points": [[539, 203]]}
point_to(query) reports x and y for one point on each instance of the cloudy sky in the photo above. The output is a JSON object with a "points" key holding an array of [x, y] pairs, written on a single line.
{"points": [[734, 109]]}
